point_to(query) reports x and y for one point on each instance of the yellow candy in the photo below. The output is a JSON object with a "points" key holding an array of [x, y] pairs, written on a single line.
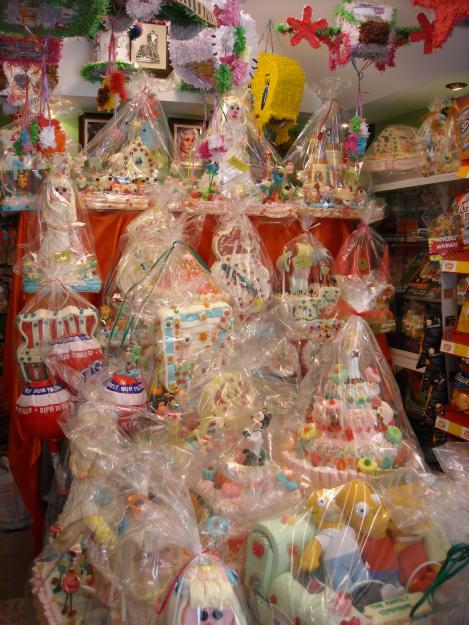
{"points": [[367, 466], [308, 432]]}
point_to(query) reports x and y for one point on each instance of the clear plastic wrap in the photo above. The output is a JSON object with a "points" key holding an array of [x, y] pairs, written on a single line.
{"points": [[240, 163], [54, 312], [147, 237], [395, 154], [413, 320], [354, 421], [361, 553], [121, 164], [309, 295], [60, 245], [31, 147], [362, 273], [316, 161], [242, 266], [437, 139], [176, 312]]}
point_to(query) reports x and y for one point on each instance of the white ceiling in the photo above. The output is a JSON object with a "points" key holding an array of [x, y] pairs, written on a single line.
{"points": [[409, 86]]}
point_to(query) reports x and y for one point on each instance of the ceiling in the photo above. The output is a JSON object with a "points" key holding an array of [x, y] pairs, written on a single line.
{"points": [[409, 86]]}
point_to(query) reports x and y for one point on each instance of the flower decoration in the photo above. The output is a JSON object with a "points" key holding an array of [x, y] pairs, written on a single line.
{"points": [[42, 135], [357, 139], [213, 147], [228, 14], [340, 51], [49, 18], [143, 9]]}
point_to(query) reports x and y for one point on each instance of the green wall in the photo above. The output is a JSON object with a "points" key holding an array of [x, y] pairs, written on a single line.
{"points": [[414, 118]]}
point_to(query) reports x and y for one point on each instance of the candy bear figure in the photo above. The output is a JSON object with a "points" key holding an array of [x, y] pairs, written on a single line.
{"points": [[334, 546]]}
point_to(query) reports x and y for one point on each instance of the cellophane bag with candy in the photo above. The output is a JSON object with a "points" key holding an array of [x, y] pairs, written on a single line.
{"points": [[315, 161], [353, 419], [60, 245], [362, 273], [308, 295], [395, 153], [436, 137], [146, 238], [362, 553], [173, 315], [119, 167], [242, 266]]}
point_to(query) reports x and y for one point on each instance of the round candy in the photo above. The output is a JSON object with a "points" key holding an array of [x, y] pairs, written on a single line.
{"points": [[393, 434], [125, 392], [41, 407], [308, 432], [79, 352], [367, 466]]}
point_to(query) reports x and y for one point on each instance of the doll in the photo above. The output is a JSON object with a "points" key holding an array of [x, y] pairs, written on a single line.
{"points": [[256, 453]]}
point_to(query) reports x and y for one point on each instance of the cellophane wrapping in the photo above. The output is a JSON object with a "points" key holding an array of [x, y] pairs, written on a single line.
{"points": [[173, 315], [60, 245], [436, 137], [307, 293], [362, 272], [396, 153], [146, 238], [242, 265], [53, 313], [353, 421], [315, 161], [133, 152], [360, 553], [30, 148]]}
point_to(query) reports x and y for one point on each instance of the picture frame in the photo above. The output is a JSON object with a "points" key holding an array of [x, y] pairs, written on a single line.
{"points": [[189, 129], [150, 51], [89, 124]]}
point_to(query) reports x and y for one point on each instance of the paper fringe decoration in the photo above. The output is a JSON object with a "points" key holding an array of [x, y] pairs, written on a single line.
{"points": [[447, 14], [143, 9], [23, 51]]}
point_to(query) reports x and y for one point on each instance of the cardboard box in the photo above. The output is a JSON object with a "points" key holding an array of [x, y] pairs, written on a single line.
{"points": [[16, 556]]}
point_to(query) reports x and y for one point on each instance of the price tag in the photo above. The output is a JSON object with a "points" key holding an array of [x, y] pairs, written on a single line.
{"points": [[447, 347]]}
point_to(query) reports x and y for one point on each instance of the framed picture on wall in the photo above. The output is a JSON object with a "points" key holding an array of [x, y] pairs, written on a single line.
{"points": [[89, 124], [185, 134], [150, 51]]}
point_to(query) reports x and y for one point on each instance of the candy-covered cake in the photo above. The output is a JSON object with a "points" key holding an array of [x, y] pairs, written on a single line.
{"points": [[395, 150], [353, 417]]}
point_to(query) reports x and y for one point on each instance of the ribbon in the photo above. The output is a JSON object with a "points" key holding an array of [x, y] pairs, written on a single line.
{"points": [[457, 559]]}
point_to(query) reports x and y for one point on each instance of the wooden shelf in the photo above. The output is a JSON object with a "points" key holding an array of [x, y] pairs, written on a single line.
{"points": [[416, 182], [404, 359], [454, 422]]}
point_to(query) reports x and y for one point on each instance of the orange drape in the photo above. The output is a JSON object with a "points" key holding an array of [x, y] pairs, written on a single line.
{"points": [[24, 453]]}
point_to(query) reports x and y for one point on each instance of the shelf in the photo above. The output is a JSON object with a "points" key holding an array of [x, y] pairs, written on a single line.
{"points": [[404, 359], [459, 263], [454, 422], [416, 182], [455, 343]]}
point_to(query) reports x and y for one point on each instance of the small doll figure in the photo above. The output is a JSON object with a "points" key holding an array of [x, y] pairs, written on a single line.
{"points": [[256, 454]]}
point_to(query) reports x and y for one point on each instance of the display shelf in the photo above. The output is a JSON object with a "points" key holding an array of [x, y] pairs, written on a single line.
{"points": [[416, 182], [406, 360], [458, 263], [454, 422], [455, 343]]}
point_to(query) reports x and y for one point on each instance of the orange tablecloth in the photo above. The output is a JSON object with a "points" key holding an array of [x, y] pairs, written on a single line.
{"points": [[24, 452]]}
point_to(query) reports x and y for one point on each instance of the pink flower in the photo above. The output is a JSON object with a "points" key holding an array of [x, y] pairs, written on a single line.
{"points": [[229, 15], [203, 150], [238, 67], [213, 147]]}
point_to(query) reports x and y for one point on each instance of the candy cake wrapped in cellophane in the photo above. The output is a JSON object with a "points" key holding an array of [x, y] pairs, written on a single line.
{"points": [[133, 152], [146, 239], [30, 148], [171, 316], [239, 163], [362, 272], [353, 419], [436, 137], [308, 295], [315, 161], [362, 553], [242, 266], [60, 245]]}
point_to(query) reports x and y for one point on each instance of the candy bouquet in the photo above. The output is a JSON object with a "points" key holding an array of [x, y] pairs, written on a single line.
{"points": [[316, 163], [59, 244], [146, 239], [362, 272], [354, 422], [309, 295], [119, 167], [239, 163]]}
